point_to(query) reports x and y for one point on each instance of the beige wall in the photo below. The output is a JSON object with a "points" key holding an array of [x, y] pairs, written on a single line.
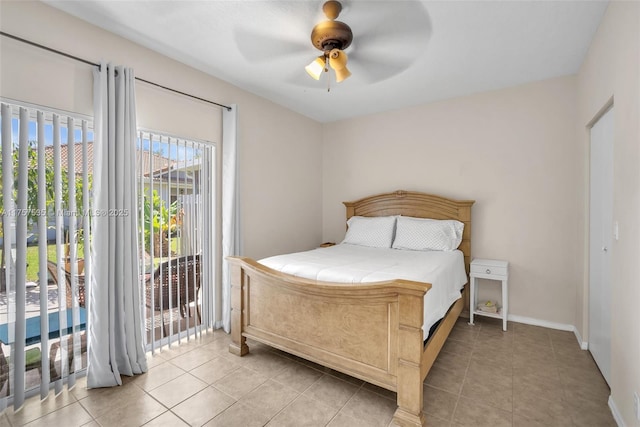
{"points": [[522, 154], [280, 197], [519, 152], [611, 70], [512, 151]]}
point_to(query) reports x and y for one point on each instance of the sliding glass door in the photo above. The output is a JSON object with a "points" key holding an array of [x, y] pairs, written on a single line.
{"points": [[46, 164], [46, 173], [176, 189]]}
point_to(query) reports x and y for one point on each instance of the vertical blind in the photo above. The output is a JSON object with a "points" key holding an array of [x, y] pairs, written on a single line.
{"points": [[47, 166], [177, 193], [46, 182]]}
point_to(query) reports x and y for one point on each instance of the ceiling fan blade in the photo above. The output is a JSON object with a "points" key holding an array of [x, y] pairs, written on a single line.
{"points": [[393, 21], [255, 47], [301, 79], [279, 32], [375, 69], [380, 50]]}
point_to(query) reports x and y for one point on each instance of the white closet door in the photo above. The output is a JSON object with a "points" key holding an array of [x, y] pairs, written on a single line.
{"points": [[601, 237]]}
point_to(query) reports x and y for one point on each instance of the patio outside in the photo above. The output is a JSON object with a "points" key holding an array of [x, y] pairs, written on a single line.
{"points": [[169, 245]]}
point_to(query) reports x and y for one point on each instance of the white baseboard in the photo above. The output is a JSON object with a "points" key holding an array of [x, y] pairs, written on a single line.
{"points": [[584, 345], [538, 322], [616, 414], [550, 325]]}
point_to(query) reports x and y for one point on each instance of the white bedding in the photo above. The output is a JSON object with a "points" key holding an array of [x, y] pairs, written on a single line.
{"points": [[345, 263]]}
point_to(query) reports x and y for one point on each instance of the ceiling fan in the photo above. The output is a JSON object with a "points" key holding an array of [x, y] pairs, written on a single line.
{"points": [[383, 39], [332, 38]]}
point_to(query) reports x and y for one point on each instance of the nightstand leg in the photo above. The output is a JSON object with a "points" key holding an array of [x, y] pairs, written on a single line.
{"points": [[472, 297], [505, 305]]}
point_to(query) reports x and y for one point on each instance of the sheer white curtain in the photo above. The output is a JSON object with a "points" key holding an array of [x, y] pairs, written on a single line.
{"points": [[230, 206], [116, 327]]}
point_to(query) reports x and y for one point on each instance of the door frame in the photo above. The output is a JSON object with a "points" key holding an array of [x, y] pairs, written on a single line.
{"points": [[584, 339]]}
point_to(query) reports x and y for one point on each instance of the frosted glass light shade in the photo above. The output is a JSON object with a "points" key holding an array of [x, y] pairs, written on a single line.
{"points": [[316, 67], [338, 62], [342, 74]]}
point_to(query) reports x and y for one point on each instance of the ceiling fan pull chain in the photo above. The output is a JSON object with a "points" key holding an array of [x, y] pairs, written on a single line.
{"points": [[326, 70]]}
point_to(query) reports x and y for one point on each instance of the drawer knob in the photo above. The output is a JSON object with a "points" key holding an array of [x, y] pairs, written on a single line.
{"points": [[488, 271]]}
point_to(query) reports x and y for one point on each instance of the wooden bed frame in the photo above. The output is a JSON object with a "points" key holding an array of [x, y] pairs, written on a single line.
{"points": [[369, 331]]}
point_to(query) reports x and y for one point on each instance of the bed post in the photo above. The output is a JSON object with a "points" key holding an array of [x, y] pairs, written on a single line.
{"points": [[238, 344], [410, 348]]}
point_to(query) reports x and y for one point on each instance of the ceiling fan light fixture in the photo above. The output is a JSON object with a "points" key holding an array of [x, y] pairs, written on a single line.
{"points": [[331, 37], [316, 67], [338, 62]]}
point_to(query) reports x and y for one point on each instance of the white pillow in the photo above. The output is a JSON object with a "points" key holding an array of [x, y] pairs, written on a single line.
{"points": [[420, 234], [376, 231]]}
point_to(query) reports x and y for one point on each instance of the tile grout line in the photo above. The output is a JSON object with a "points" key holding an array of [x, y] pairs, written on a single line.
{"points": [[466, 370], [346, 403], [560, 353]]}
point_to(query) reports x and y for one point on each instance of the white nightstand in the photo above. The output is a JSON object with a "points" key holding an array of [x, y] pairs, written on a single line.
{"points": [[494, 270]]}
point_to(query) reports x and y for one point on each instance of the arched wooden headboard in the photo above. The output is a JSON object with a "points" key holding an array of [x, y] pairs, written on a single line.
{"points": [[419, 205]]}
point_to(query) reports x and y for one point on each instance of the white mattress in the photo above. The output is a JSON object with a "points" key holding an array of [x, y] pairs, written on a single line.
{"points": [[345, 263]]}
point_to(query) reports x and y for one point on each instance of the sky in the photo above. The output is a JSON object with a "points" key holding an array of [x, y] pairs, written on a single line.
{"points": [[182, 151]]}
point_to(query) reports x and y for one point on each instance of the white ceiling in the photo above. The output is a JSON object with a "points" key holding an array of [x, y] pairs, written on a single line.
{"points": [[404, 52]]}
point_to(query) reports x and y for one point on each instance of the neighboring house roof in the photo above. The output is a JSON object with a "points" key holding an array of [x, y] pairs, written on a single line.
{"points": [[179, 172], [64, 156], [156, 163]]}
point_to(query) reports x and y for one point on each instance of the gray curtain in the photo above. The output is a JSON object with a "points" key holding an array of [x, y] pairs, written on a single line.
{"points": [[115, 324]]}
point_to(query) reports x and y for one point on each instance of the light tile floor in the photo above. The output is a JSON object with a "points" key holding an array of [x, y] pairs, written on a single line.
{"points": [[527, 376]]}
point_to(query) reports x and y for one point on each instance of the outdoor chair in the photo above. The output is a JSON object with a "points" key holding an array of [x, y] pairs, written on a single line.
{"points": [[52, 267], [4, 371], [53, 273], [33, 360], [172, 286]]}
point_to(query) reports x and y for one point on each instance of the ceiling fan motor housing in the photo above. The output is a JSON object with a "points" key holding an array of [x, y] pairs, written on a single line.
{"points": [[330, 35]]}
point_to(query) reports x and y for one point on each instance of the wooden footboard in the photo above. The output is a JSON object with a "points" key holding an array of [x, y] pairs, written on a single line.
{"points": [[372, 332]]}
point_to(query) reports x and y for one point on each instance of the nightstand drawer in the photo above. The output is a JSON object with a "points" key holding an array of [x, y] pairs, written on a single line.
{"points": [[490, 267]]}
